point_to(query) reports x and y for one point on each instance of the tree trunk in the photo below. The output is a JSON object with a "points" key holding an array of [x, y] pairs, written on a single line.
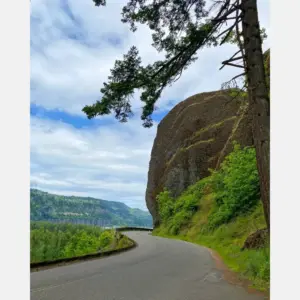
{"points": [[258, 98]]}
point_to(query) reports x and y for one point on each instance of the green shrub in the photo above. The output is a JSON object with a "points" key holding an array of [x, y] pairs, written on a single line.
{"points": [[176, 213], [106, 239], [166, 205], [236, 185], [50, 241], [123, 242]]}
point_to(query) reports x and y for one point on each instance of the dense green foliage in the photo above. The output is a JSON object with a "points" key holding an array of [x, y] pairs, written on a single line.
{"points": [[220, 212], [53, 241], [177, 212], [85, 210], [236, 186]]}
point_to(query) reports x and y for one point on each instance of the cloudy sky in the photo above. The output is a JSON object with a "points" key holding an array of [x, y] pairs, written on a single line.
{"points": [[73, 46]]}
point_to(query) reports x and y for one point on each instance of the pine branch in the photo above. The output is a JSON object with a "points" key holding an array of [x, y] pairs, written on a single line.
{"points": [[218, 21]]}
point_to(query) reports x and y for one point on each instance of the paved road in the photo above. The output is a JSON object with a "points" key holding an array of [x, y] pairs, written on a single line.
{"points": [[159, 269]]}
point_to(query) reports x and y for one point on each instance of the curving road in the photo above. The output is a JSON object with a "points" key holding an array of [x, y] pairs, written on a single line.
{"points": [[158, 269]]}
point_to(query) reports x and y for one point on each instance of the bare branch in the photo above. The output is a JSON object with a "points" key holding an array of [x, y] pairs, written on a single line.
{"points": [[225, 63], [231, 59], [237, 52], [237, 76], [231, 18], [233, 65]]}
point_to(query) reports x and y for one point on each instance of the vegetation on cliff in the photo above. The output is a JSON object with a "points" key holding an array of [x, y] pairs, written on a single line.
{"points": [[50, 207], [221, 211], [54, 241]]}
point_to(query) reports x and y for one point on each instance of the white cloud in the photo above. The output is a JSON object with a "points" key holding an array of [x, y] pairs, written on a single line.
{"points": [[68, 73], [110, 161], [70, 59]]}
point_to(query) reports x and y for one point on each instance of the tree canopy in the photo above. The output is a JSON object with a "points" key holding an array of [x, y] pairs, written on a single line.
{"points": [[180, 28]]}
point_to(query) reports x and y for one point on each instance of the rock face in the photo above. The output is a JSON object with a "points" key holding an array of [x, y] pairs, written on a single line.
{"points": [[195, 135]]}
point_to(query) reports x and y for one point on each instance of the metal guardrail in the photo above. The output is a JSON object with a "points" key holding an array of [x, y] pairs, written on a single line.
{"points": [[128, 228], [80, 222]]}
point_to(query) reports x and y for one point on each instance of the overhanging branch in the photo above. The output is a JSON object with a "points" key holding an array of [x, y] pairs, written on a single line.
{"points": [[217, 21]]}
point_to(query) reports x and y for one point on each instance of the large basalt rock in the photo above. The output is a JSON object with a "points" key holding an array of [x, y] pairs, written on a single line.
{"points": [[194, 136]]}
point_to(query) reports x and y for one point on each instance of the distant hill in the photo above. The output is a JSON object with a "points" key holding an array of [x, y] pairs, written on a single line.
{"points": [[84, 210]]}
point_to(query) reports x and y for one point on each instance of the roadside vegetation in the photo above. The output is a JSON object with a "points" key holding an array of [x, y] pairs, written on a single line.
{"points": [[50, 241], [220, 212]]}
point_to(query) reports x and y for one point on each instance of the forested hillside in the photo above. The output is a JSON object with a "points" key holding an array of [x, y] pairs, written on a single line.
{"points": [[84, 210]]}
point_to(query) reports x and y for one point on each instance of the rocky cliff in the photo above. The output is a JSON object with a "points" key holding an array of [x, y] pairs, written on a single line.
{"points": [[195, 136]]}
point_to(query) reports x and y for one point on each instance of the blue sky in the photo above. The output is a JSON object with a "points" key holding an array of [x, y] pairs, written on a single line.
{"points": [[73, 46]]}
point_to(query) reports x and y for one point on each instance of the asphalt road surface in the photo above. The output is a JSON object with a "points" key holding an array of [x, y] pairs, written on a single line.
{"points": [[158, 269]]}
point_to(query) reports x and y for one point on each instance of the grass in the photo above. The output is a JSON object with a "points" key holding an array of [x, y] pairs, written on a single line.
{"points": [[180, 150], [199, 143], [227, 240], [215, 125]]}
